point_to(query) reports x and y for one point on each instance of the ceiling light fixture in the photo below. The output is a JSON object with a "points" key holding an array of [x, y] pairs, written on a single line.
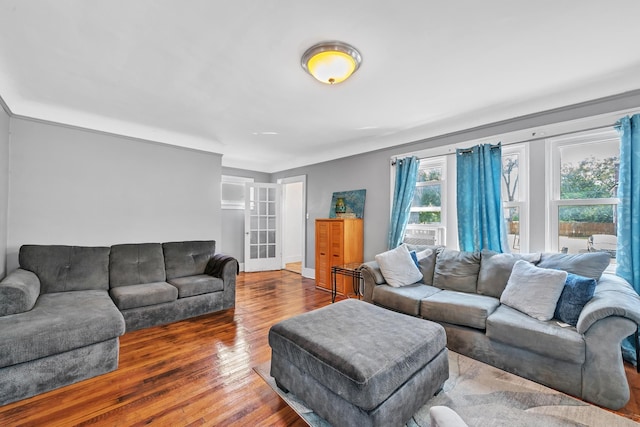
{"points": [[331, 62]]}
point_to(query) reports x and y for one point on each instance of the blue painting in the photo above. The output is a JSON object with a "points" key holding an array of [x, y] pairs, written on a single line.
{"points": [[347, 204]]}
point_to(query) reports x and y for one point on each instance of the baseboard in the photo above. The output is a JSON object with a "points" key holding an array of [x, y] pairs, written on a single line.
{"points": [[309, 273]]}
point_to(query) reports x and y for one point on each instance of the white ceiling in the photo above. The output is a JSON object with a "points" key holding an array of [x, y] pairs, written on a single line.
{"points": [[225, 76]]}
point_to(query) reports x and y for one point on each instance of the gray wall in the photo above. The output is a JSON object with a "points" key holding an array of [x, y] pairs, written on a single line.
{"points": [[371, 172], [76, 187], [4, 188], [233, 219]]}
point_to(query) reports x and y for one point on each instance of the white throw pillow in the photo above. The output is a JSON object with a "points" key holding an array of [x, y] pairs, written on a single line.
{"points": [[397, 267], [533, 290]]}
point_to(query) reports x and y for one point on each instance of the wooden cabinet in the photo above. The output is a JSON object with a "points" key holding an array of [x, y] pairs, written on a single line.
{"points": [[338, 241]]}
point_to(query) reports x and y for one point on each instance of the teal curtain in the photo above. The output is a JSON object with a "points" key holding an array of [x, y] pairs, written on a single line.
{"points": [[628, 250], [481, 222], [406, 176]]}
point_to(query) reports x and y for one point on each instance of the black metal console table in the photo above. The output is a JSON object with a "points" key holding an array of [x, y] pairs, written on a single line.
{"points": [[351, 270]]}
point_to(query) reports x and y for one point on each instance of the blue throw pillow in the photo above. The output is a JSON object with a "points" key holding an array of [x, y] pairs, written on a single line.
{"points": [[576, 293], [414, 257]]}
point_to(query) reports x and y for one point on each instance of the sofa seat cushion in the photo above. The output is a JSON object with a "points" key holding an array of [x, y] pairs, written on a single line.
{"points": [[512, 327], [57, 323], [405, 299], [197, 285], [459, 308], [143, 295]]}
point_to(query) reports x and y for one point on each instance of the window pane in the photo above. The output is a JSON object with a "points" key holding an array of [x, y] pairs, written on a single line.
{"points": [[589, 171], [587, 228], [427, 174], [512, 217], [426, 196], [510, 175], [425, 217]]}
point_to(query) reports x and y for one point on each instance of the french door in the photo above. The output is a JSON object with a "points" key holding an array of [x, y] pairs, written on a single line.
{"points": [[262, 246]]}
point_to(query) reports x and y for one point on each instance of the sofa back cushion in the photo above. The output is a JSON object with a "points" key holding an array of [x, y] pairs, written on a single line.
{"points": [[187, 258], [67, 268], [495, 269], [135, 264], [456, 270], [590, 264]]}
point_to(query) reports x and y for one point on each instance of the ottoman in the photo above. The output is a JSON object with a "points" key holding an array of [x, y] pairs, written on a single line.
{"points": [[356, 364]]}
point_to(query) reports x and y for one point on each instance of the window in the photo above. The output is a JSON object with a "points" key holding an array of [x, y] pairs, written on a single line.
{"points": [[514, 189], [426, 218], [232, 191], [583, 203]]}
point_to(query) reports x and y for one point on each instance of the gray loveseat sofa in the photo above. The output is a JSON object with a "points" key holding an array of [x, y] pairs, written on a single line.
{"points": [[62, 311], [462, 291]]}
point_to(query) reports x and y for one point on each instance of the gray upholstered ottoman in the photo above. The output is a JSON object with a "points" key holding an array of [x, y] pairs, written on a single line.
{"points": [[356, 364]]}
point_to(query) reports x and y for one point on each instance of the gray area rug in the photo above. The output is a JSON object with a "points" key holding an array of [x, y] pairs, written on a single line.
{"points": [[485, 396]]}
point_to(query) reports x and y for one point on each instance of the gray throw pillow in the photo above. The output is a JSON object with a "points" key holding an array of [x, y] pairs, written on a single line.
{"points": [[456, 270], [534, 291], [590, 264], [398, 267], [495, 269]]}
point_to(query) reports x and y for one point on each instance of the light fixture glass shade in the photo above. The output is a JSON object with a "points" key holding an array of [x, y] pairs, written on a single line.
{"points": [[331, 62]]}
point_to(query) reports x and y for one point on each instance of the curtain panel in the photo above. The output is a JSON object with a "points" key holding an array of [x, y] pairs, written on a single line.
{"points": [[628, 250], [480, 218], [406, 176]]}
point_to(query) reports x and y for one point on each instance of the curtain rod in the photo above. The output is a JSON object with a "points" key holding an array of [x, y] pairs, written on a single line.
{"points": [[470, 150]]}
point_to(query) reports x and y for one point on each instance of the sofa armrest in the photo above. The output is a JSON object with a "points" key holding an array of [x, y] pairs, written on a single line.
{"points": [[18, 292], [613, 296], [226, 268], [372, 277], [220, 265]]}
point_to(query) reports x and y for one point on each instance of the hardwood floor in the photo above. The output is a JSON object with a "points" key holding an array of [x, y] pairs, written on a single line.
{"points": [[198, 372]]}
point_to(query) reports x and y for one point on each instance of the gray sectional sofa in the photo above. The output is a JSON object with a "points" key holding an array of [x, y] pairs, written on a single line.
{"points": [[462, 291], [62, 311]]}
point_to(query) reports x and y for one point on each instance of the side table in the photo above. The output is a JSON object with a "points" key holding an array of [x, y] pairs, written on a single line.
{"points": [[351, 270]]}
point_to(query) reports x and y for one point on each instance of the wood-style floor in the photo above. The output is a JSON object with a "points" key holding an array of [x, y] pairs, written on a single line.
{"points": [[197, 372]]}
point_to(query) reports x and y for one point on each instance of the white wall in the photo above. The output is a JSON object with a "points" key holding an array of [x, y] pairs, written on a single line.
{"points": [[4, 188], [76, 187], [293, 222]]}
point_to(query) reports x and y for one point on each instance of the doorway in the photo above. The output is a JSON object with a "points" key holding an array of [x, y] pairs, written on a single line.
{"points": [[293, 223]]}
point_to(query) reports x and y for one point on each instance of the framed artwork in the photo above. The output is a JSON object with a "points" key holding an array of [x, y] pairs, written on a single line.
{"points": [[347, 204]]}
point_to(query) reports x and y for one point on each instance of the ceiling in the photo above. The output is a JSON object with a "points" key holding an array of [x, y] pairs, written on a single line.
{"points": [[225, 76]]}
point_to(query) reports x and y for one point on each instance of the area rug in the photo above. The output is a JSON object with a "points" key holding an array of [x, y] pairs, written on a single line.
{"points": [[485, 396]]}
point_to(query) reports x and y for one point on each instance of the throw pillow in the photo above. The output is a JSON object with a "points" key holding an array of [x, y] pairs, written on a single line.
{"points": [[577, 292], [414, 257], [427, 264], [397, 267], [457, 270], [495, 269], [590, 264], [534, 291]]}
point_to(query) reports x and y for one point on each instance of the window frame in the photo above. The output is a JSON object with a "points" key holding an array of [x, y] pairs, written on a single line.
{"points": [[554, 146], [522, 150], [441, 227]]}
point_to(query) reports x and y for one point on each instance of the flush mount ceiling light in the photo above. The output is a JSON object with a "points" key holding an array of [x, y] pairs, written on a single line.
{"points": [[331, 62]]}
